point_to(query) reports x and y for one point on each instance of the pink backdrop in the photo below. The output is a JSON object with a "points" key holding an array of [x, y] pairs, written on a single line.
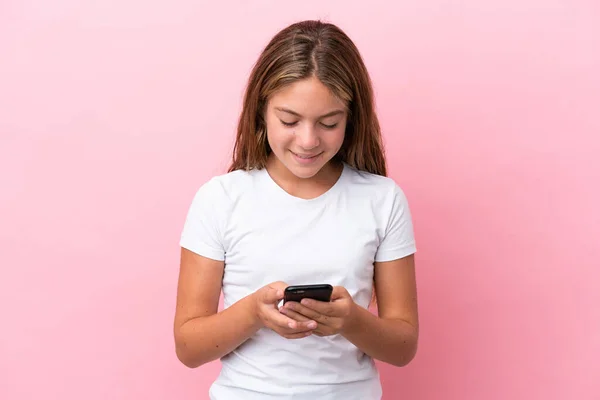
{"points": [[113, 113]]}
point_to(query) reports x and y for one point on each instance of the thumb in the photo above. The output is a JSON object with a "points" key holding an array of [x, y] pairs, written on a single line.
{"points": [[338, 292], [272, 295]]}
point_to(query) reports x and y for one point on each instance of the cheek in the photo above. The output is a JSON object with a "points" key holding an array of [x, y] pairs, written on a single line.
{"points": [[277, 135], [335, 139]]}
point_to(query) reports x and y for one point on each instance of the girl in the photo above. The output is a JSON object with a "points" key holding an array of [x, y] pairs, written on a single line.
{"points": [[306, 200]]}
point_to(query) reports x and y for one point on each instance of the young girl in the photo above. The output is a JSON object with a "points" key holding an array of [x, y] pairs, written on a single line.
{"points": [[306, 201]]}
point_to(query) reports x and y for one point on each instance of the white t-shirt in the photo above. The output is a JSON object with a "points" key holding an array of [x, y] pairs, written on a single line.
{"points": [[264, 235]]}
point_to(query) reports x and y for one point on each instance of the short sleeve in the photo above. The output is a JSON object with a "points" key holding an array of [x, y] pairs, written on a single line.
{"points": [[398, 240], [202, 230]]}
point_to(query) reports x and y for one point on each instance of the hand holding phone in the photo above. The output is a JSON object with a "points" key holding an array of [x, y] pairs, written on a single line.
{"points": [[266, 312], [333, 309]]}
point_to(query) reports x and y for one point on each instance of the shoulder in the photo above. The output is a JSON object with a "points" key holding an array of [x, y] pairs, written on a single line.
{"points": [[224, 188], [381, 189]]}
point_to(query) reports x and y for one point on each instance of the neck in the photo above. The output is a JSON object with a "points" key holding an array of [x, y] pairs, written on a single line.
{"points": [[304, 187]]}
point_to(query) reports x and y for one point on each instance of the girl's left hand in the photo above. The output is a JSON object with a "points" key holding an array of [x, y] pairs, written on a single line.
{"points": [[331, 317]]}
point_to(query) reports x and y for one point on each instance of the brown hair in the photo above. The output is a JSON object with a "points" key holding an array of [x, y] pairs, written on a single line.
{"points": [[300, 51]]}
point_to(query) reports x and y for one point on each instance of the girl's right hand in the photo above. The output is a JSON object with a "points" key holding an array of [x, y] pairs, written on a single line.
{"points": [[267, 312]]}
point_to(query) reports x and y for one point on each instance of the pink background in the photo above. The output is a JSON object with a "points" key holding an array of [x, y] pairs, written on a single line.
{"points": [[113, 113]]}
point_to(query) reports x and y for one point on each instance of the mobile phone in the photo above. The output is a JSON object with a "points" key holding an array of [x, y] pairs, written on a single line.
{"points": [[321, 292]]}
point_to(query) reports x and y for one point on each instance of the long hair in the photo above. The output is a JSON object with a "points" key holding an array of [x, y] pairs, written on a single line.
{"points": [[302, 50]]}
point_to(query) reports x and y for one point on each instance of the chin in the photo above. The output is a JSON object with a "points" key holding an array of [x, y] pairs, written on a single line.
{"points": [[305, 174]]}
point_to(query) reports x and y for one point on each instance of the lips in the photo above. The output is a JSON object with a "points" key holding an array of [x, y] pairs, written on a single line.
{"points": [[306, 156]]}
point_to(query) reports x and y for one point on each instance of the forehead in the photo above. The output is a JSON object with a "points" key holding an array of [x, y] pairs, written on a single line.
{"points": [[308, 97]]}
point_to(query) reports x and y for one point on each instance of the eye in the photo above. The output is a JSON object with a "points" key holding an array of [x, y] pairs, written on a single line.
{"points": [[329, 126], [289, 123]]}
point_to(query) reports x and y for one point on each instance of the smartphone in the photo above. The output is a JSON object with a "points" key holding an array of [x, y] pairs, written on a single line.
{"points": [[296, 293]]}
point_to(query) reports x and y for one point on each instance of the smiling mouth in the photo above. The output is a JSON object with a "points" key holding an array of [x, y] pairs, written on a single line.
{"points": [[305, 156]]}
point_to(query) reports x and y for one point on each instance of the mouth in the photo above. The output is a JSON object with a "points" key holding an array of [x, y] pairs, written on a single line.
{"points": [[306, 159], [306, 156]]}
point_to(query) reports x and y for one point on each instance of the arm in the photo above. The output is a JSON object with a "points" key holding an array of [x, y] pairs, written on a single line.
{"points": [[392, 336], [201, 334]]}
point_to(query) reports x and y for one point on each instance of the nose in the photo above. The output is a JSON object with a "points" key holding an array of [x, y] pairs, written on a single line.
{"points": [[307, 137]]}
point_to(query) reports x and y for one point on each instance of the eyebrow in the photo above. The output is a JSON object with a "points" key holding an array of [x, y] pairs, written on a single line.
{"points": [[329, 114]]}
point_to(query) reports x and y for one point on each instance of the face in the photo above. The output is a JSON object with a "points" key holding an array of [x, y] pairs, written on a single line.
{"points": [[305, 126]]}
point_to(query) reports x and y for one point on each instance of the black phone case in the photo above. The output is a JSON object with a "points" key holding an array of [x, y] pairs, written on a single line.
{"points": [[317, 292]]}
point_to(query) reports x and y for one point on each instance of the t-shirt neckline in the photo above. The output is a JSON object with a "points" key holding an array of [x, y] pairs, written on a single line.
{"points": [[284, 194]]}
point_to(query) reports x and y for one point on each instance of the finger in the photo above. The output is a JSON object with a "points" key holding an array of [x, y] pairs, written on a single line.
{"points": [[279, 285], [320, 307], [297, 335], [338, 292], [293, 314], [306, 312], [272, 295], [289, 324]]}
